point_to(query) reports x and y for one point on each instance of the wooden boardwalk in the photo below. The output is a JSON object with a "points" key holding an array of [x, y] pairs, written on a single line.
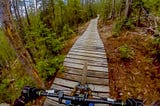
{"points": [[87, 49]]}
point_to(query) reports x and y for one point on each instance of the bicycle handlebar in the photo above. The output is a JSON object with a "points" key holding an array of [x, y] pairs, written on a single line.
{"points": [[60, 95]]}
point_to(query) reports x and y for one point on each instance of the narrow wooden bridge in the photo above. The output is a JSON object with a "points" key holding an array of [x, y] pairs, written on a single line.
{"points": [[87, 49]]}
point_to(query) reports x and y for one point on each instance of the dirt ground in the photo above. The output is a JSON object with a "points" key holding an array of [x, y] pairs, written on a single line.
{"points": [[138, 77]]}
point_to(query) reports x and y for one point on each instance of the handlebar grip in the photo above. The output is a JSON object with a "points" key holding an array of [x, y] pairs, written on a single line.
{"points": [[46, 93]]}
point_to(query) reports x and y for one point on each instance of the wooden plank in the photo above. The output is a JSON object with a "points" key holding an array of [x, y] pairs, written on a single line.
{"points": [[55, 86], [86, 58], [90, 48], [80, 66], [96, 74], [89, 80], [87, 54], [93, 48], [98, 95], [88, 43], [72, 84], [66, 90], [99, 88], [87, 51], [65, 83], [92, 61], [79, 61], [53, 102]]}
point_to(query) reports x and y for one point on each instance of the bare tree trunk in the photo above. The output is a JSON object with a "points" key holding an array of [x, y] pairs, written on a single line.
{"points": [[43, 4], [83, 3], [16, 42], [128, 8], [113, 9], [122, 8], [139, 17], [53, 9], [18, 18], [36, 5], [16, 12], [26, 12]]}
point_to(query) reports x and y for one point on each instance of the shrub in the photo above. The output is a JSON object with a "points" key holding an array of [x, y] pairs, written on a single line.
{"points": [[118, 26], [122, 24], [49, 66], [126, 52], [67, 32]]}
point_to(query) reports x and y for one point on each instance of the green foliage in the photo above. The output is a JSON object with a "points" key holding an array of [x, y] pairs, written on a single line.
{"points": [[48, 67], [126, 52], [58, 14], [7, 54], [12, 80], [118, 26], [67, 32], [152, 6], [45, 46], [105, 9], [123, 24]]}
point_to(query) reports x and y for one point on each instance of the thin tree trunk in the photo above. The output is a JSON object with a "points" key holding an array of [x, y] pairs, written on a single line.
{"points": [[128, 8], [26, 12], [16, 12], [36, 5], [122, 8], [16, 42], [139, 17], [43, 4], [53, 9], [18, 17], [113, 9]]}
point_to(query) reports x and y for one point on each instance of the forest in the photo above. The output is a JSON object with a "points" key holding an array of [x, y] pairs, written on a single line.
{"points": [[35, 36]]}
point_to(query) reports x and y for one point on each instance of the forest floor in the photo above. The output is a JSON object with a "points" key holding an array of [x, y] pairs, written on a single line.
{"points": [[137, 77]]}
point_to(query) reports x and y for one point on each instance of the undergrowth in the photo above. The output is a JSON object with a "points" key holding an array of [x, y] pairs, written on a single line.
{"points": [[126, 52], [122, 24], [138, 78]]}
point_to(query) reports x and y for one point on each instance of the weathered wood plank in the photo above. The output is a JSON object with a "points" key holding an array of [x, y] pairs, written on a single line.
{"points": [[80, 66], [96, 74], [87, 58], [66, 90], [53, 102], [89, 80], [87, 54], [79, 61], [91, 48], [87, 51], [72, 84]]}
